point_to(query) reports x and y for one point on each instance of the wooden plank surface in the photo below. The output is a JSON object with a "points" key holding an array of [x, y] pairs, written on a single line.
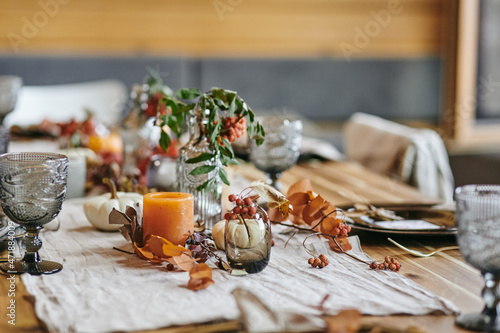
{"points": [[269, 28], [445, 274], [346, 183]]}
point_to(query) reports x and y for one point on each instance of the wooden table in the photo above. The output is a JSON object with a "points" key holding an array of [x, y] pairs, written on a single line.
{"points": [[342, 183]]}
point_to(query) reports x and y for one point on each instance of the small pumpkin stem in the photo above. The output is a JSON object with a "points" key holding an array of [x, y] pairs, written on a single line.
{"points": [[112, 187], [246, 225]]}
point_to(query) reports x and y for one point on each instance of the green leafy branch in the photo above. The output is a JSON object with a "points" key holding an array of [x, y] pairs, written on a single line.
{"points": [[217, 104]]}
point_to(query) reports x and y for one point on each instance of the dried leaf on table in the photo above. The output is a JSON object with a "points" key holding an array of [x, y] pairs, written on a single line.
{"points": [[132, 223], [157, 249], [316, 210], [346, 321], [200, 277], [274, 198], [184, 261], [342, 241]]}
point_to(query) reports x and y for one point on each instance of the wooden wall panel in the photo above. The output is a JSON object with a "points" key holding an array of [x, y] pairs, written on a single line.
{"points": [[262, 28]]}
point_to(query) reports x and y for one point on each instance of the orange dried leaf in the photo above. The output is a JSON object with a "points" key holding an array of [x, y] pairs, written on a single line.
{"points": [[300, 198], [163, 248], [342, 241], [200, 277], [328, 225], [303, 185], [201, 271], [171, 250], [275, 215], [155, 243], [346, 321], [183, 261], [146, 254], [313, 212]]}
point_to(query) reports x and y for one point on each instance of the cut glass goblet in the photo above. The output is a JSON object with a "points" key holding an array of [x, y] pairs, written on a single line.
{"points": [[33, 188], [478, 225]]}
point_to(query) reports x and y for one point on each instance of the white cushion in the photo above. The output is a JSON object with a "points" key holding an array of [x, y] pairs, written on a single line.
{"points": [[61, 103]]}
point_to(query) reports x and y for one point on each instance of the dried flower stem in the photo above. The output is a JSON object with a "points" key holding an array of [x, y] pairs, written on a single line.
{"points": [[124, 251], [350, 255]]}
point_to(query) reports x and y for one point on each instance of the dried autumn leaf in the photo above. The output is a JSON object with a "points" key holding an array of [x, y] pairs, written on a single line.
{"points": [[146, 254], [273, 197], [155, 244], [200, 277], [346, 321], [328, 225], [342, 241], [299, 201], [171, 250], [184, 261], [303, 186], [315, 210]]}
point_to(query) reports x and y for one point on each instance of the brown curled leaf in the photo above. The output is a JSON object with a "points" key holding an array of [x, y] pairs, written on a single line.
{"points": [[200, 277], [343, 242]]}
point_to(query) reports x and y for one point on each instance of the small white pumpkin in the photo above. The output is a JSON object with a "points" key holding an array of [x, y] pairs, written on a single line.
{"points": [[97, 209], [238, 234], [218, 234]]}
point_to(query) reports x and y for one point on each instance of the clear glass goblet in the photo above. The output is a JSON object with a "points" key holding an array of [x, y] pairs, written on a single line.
{"points": [[280, 149], [33, 188], [478, 225]]}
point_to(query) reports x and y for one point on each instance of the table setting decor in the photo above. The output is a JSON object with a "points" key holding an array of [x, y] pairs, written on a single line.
{"points": [[105, 290], [218, 117], [33, 190]]}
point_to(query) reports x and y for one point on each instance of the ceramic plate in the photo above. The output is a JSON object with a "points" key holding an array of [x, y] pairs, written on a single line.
{"points": [[419, 221]]}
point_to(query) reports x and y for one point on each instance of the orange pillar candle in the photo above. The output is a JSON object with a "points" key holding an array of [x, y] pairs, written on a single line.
{"points": [[169, 215]]}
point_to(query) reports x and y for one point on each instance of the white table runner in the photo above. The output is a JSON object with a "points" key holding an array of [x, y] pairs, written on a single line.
{"points": [[104, 290]]}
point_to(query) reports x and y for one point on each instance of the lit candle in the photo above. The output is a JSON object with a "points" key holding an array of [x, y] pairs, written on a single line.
{"points": [[169, 215]]}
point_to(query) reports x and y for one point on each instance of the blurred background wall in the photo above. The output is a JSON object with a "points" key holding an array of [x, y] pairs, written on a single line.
{"points": [[324, 59]]}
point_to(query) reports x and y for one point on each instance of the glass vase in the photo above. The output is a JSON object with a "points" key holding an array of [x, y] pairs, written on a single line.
{"points": [[138, 146], [207, 203], [248, 242]]}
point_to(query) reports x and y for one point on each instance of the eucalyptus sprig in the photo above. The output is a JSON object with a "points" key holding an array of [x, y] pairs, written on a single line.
{"points": [[217, 105]]}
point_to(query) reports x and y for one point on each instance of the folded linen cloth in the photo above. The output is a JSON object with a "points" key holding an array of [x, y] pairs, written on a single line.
{"points": [[103, 290], [416, 156], [320, 148]]}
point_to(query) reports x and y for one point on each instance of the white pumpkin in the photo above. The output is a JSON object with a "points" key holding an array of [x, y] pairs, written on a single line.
{"points": [[97, 208], [218, 234]]}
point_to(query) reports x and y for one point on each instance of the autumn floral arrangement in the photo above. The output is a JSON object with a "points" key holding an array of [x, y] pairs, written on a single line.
{"points": [[146, 101], [301, 209], [223, 117]]}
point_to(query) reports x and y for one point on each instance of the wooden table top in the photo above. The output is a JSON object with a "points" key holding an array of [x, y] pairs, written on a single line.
{"points": [[446, 274]]}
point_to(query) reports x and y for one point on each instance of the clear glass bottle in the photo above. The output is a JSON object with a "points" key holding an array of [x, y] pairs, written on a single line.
{"points": [[207, 204], [248, 242]]}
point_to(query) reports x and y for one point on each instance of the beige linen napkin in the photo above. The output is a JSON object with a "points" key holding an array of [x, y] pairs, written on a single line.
{"points": [[416, 156], [104, 290]]}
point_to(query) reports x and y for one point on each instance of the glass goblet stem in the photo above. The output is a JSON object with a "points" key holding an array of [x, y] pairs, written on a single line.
{"points": [[490, 294], [488, 320], [32, 244], [272, 179]]}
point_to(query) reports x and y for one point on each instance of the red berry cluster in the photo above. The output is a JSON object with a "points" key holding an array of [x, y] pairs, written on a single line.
{"points": [[389, 263], [244, 207], [153, 103], [320, 262], [233, 128]]}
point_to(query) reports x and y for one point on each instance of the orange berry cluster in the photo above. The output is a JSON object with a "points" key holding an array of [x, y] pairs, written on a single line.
{"points": [[244, 207], [233, 128], [389, 263], [320, 262]]}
